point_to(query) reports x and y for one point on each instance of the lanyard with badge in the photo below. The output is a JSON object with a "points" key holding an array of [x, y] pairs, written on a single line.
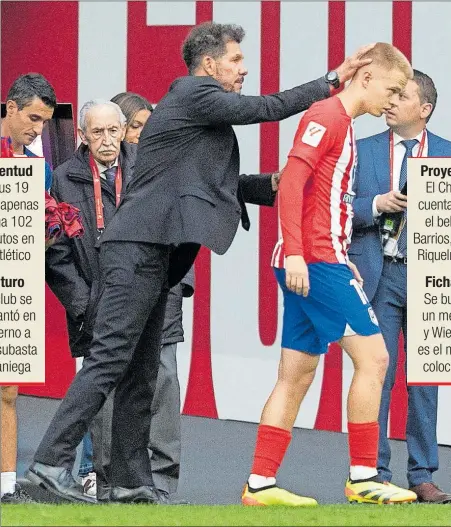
{"points": [[392, 223], [98, 192]]}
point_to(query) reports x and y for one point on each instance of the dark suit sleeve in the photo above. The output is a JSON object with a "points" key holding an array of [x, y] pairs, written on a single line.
{"points": [[61, 273], [363, 205], [211, 104], [257, 189]]}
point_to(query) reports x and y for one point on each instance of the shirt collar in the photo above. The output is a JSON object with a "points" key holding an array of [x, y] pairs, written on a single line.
{"points": [[397, 138], [102, 167]]}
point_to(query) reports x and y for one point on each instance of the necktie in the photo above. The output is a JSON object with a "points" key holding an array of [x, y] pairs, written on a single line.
{"points": [[110, 175], [409, 145]]}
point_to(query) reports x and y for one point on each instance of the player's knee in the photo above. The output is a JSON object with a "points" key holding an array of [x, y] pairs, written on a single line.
{"points": [[297, 379], [9, 395], [380, 361]]}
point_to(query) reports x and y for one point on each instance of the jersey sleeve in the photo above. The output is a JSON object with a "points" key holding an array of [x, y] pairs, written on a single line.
{"points": [[291, 197], [317, 133]]}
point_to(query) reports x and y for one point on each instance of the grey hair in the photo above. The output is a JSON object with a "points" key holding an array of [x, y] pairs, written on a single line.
{"points": [[99, 102]]}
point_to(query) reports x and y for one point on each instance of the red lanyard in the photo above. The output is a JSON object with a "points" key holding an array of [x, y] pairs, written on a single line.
{"points": [[392, 146], [98, 191]]}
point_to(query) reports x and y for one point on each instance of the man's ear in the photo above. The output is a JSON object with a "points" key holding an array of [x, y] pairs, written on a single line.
{"points": [[366, 76], [208, 64], [11, 107], [82, 136], [425, 110]]}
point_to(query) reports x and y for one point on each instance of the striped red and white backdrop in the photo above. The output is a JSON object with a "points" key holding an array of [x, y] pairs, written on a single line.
{"points": [[228, 364]]}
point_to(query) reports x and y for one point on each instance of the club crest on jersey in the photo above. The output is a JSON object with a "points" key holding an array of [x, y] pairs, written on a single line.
{"points": [[313, 134]]}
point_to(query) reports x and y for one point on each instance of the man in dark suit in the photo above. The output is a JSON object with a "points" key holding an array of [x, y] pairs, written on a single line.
{"points": [[72, 272], [382, 262], [186, 192]]}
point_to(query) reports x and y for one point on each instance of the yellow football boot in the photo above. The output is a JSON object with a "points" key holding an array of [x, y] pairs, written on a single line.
{"points": [[371, 491], [270, 496]]}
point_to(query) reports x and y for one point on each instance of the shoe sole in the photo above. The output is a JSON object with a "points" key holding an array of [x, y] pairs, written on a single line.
{"points": [[40, 482], [359, 499], [247, 501]]}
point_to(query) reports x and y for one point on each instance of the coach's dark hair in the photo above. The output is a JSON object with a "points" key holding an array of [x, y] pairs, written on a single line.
{"points": [[26, 87], [209, 39], [426, 90], [131, 103]]}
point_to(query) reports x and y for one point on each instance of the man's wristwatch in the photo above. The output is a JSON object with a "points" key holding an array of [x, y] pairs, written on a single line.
{"points": [[331, 78]]}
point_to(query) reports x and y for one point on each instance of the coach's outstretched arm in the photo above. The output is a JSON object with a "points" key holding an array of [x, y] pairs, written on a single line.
{"points": [[212, 104]]}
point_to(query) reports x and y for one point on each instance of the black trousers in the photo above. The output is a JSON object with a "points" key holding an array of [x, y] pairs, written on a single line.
{"points": [[125, 355], [164, 442]]}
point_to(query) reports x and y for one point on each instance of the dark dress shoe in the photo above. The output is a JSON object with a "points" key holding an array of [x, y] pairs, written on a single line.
{"points": [[167, 499], [430, 493], [103, 493], [57, 480], [145, 494]]}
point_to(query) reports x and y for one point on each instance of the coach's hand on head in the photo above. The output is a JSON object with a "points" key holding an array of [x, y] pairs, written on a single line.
{"points": [[351, 64], [296, 275]]}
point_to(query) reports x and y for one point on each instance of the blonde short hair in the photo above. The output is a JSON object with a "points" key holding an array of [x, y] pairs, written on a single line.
{"points": [[389, 57]]}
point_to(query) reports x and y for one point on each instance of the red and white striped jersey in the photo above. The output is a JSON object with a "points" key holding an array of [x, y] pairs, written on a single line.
{"points": [[315, 200]]}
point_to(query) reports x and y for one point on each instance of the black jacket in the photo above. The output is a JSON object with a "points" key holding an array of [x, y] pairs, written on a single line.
{"points": [[72, 265], [187, 190]]}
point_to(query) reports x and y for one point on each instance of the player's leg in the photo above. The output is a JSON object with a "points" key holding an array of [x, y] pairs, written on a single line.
{"points": [[9, 439], [296, 373], [370, 359], [10, 491]]}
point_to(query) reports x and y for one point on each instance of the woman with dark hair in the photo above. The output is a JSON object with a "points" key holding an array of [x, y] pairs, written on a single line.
{"points": [[137, 110]]}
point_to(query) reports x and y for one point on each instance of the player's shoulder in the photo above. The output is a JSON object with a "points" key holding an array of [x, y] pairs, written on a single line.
{"points": [[328, 111], [328, 116]]}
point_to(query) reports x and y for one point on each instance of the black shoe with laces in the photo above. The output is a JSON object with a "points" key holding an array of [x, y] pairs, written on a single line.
{"points": [[19, 496]]}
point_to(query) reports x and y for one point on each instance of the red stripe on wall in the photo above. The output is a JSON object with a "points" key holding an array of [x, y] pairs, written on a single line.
{"points": [[30, 43], [329, 415], [269, 162], [153, 54], [402, 27], [402, 39], [200, 394]]}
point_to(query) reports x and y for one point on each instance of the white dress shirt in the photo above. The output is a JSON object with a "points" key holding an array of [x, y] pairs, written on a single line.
{"points": [[102, 168], [399, 150]]}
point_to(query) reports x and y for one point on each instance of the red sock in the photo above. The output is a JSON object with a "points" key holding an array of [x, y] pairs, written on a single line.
{"points": [[272, 443], [363, 443]]}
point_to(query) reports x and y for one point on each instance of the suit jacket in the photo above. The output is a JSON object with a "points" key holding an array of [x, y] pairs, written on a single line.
{"points": [[187, 190], [372, 178]]}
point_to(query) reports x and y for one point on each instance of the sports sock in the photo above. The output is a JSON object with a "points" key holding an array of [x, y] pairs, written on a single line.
{"points": [[363, 446], [8, 483], [270, 448]]}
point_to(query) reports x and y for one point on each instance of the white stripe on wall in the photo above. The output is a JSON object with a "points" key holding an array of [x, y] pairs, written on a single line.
{"points": [[171, 13], [367, 22], [431, 42], [303, 58], [303, 55], [102, 50], [235, 301]]}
